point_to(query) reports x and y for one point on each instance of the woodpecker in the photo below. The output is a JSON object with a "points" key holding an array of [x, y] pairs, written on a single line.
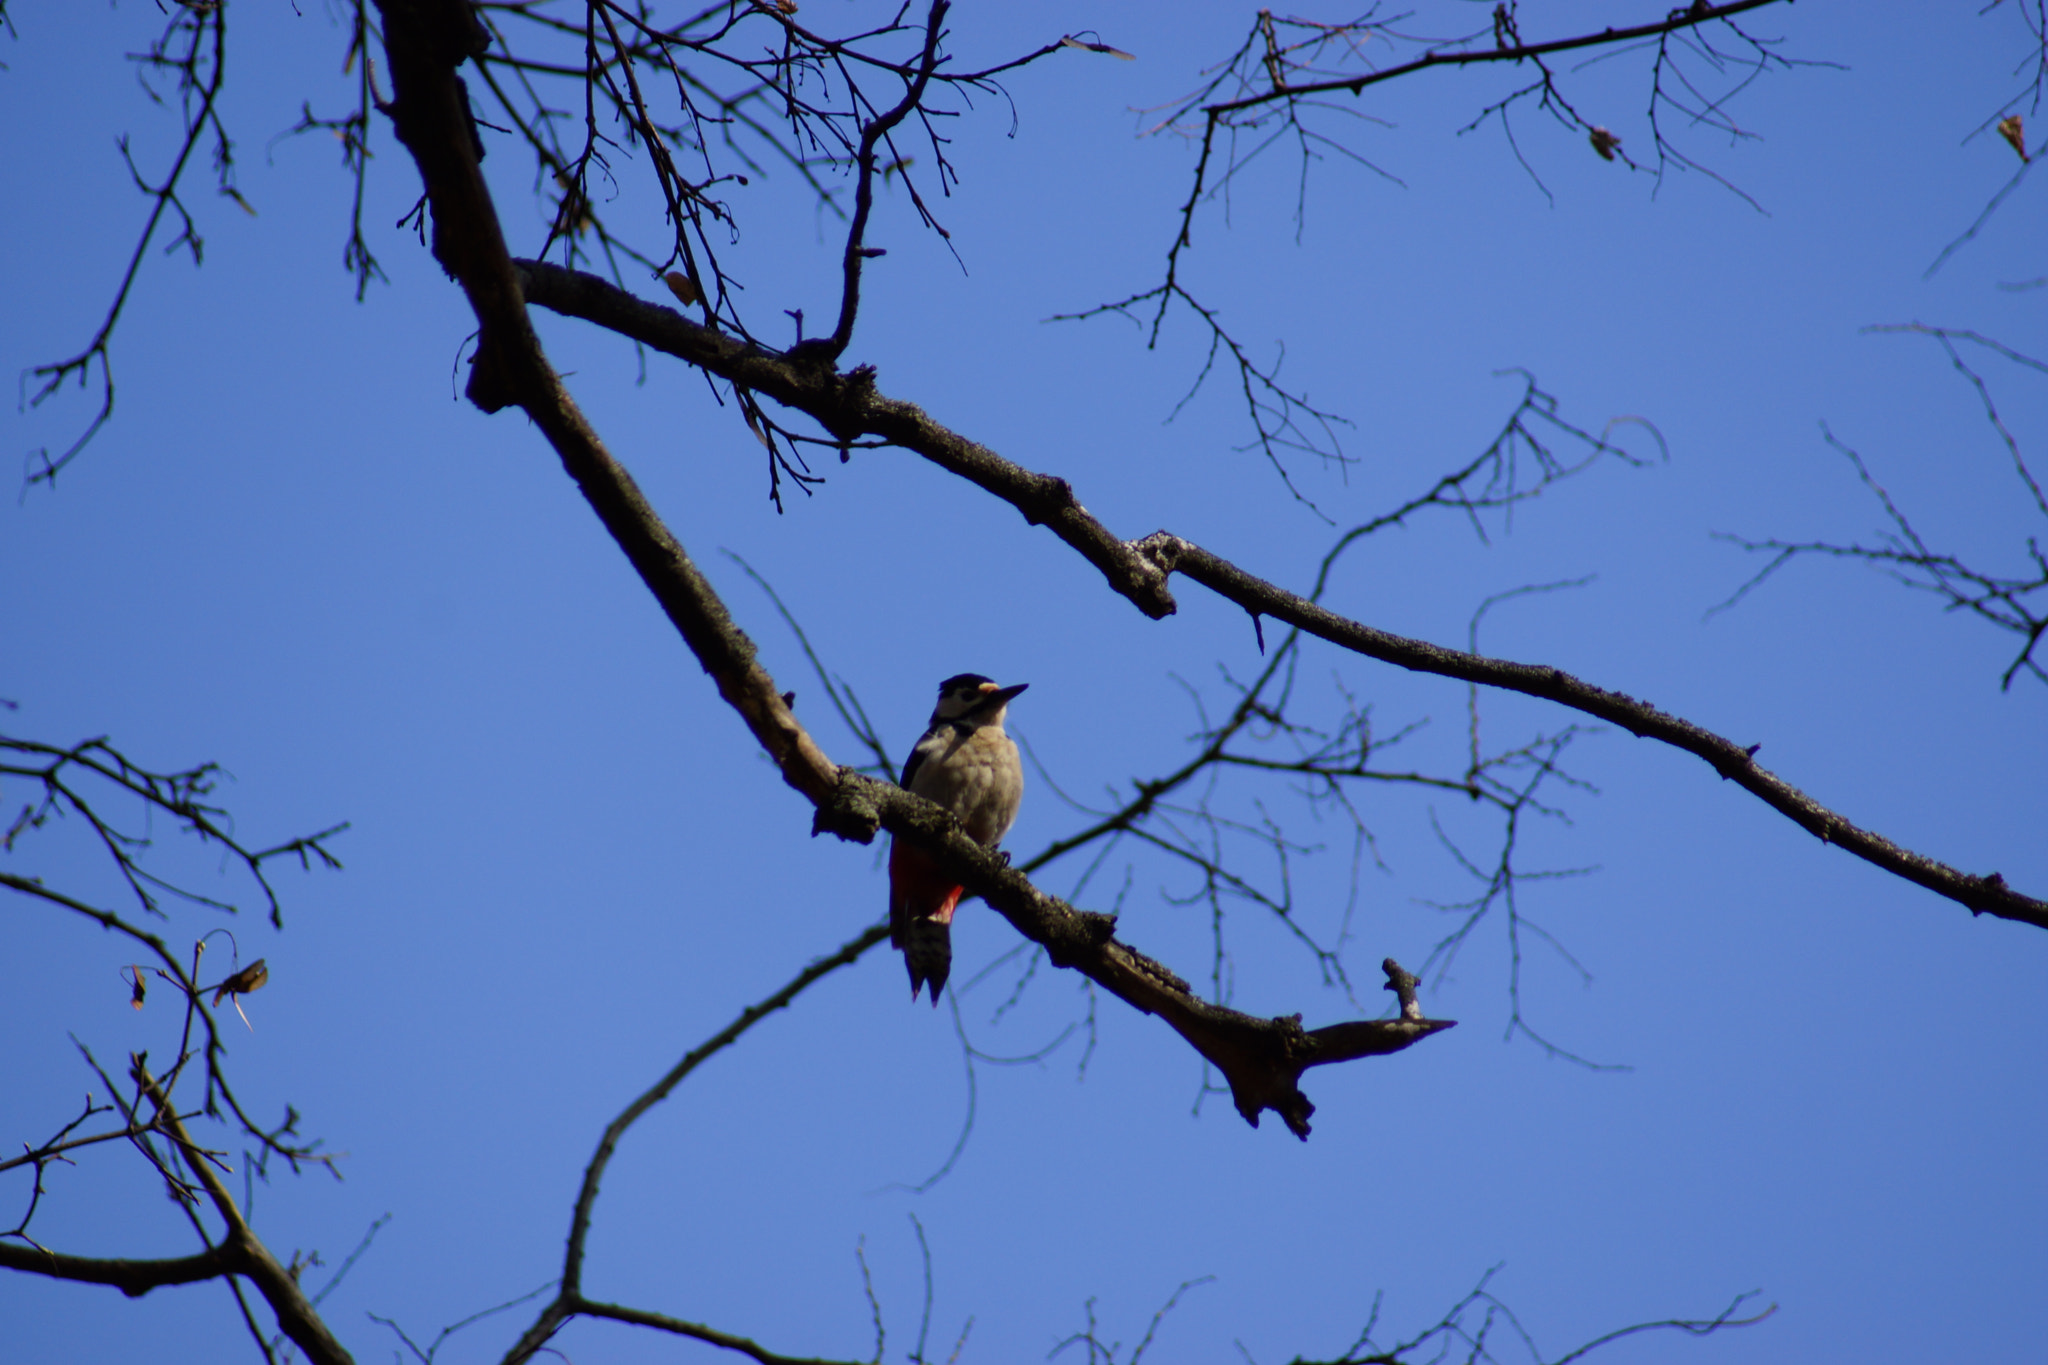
{"points": [[968, 765]]}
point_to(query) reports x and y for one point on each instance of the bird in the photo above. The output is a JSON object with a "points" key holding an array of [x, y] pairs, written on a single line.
{"points": [[968, 765]]}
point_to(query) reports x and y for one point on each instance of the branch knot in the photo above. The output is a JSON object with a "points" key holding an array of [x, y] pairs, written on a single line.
{"points": [[852, 811]]}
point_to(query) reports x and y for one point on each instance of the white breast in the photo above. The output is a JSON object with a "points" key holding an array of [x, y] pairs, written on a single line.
{"points": [[977, 776]]}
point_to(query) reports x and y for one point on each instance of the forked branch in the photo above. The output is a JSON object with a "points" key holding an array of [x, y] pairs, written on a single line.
{"points": [[849, 406], [1262, 1058]]}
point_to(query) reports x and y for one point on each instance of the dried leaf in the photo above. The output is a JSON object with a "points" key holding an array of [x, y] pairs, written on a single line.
{"points": [[572, 210], [682, 286], [1104, 48], [1604, 143], [250, 978], [140, 983], [2014, 130], [747, 412]]}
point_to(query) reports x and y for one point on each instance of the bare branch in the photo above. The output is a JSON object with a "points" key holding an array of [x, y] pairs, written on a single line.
{"points": [[133, 1278], [2007, 601], [1261, 1058], [849, 406], [1688, 17], [1271, 87], [1987, 894], [569, 1301], [1469, 1329], [181, 795], [871, 135], [198, 72], [1969, 234]]}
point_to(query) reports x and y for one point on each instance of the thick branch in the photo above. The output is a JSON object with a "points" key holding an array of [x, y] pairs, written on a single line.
{"points": [[1262, 1058], [250, 1258], [426, 40], [849, 406], [133, 1278]]}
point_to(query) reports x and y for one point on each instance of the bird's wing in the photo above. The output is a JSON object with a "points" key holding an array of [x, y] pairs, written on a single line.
{"points": [[916, 759]]}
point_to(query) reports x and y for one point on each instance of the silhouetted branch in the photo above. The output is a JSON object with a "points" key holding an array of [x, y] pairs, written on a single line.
{"points": [[1673, 89], [1969, 234], [142, 1113], [1290, 68], [199, 1037], [2008, 118], [662, 1322], [181, 795], [872, 134], [197, 72], [1986, 894], [1470, 1329], [1686, 17], [1105, 1352], [425, 1354], [569, 1301], [296, 1317], [728, 93], [1261, 1058], [850, 406], [1283, 419], [235, 1254], [133, 1278], [2006, 601], [352, 130]]}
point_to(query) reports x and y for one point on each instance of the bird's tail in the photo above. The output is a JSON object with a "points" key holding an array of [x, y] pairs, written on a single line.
{"points": [[927, 944], [921, 904]]}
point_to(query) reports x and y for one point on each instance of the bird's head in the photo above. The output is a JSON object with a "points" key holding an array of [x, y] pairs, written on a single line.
{"points": [[972, 699]]}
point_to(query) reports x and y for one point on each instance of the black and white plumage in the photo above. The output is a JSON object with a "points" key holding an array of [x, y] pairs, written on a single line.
{"points": [[968, 765]]}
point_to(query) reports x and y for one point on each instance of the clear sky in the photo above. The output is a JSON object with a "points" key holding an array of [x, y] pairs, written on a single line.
{"points": [[297, 552]]}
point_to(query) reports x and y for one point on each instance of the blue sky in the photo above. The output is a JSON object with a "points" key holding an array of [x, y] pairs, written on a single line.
{"points": [[298, 553]]}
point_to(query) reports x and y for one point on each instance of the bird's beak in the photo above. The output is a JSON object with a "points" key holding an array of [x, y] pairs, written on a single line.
{"points": [[994, 699]]}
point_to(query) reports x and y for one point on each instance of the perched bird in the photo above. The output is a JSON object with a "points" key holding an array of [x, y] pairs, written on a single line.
{"points": [[968, 765]]}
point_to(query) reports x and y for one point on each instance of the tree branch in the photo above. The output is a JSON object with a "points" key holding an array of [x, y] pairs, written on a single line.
{"points": [[1986, 894], [857, 250], [849, 406], [1261, 1058], [662, 1322], [296, 1316], [1686, 17], [240, 1253], [133, 1278]]}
